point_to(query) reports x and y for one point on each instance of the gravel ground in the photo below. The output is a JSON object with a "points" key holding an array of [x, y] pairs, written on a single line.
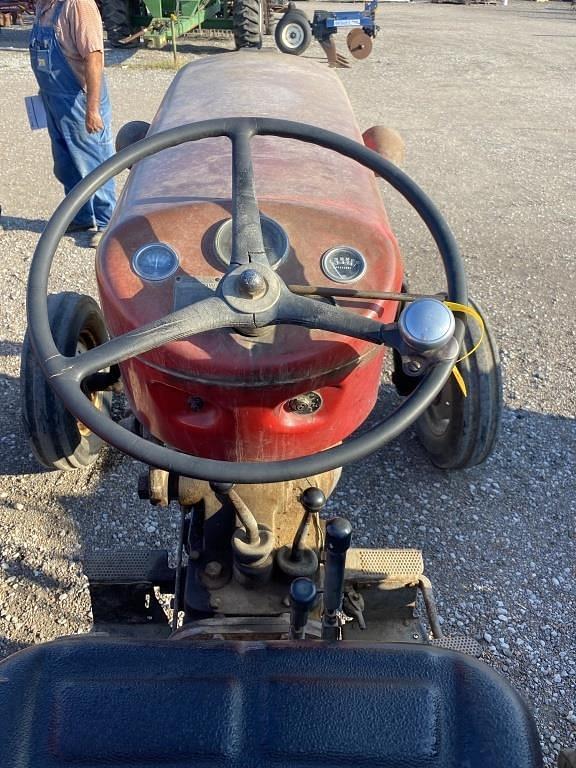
{"points": [[485, 97]]}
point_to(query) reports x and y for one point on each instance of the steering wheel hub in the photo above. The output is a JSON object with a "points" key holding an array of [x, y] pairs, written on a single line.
{"points": [[251, 288], [251, 284]]}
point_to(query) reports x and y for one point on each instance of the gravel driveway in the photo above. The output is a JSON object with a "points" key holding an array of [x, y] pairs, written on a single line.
{"points": [[485, 97]]}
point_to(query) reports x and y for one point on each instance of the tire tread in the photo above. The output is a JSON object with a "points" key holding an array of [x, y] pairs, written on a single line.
{"points": [[247, 24]]}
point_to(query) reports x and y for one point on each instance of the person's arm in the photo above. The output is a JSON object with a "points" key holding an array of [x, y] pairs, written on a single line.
{"points": [[93, 67]]}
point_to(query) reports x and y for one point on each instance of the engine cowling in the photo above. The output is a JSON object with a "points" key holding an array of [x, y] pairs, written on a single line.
{"points": [[290, 391]]}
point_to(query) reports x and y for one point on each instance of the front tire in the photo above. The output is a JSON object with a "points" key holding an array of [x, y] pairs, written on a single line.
{"points": [[293, 34], [457, 431], [248, 23], [57, 439]]}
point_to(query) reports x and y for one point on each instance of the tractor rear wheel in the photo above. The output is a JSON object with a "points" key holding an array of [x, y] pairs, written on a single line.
{"points": [[293, 33], [248, 23], [116, 16], [57, 439], [457, 431]]}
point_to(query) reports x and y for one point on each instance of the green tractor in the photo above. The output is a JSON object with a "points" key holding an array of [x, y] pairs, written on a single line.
{"points": [[159, 22]]}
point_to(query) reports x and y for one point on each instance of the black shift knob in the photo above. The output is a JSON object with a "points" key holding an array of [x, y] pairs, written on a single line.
{"points": [[338, 535], [313, 500]]}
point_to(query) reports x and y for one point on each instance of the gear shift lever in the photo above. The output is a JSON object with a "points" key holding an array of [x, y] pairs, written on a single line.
{"points": [[338, 538]]}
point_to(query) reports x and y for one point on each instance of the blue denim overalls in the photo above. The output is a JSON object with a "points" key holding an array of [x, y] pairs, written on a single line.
{"points": [[75, 151]]}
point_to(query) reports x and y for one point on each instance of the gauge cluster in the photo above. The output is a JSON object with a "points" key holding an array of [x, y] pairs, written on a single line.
{"points": [[156, 262]]}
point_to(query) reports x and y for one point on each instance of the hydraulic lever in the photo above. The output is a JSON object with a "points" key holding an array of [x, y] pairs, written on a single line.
{"points": [[338, 538], [302, 598], [299, 559]]}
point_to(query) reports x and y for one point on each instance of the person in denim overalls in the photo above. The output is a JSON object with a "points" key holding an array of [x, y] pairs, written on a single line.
{"points": [[78, 125]]}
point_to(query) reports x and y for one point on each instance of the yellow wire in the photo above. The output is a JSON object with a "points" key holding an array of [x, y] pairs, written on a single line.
{"points": [[471, 312], [460, 381]]}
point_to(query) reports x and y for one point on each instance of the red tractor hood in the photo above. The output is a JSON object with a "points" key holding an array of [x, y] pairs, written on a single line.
{"points": [[181, 196]]}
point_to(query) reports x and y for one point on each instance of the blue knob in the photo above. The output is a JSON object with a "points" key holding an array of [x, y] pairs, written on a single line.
{"points": [[303, 593]]}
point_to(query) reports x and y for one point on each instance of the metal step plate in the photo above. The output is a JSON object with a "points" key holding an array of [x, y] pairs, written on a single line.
{"points": [[403, 565], [132, 566], [461, 644]]}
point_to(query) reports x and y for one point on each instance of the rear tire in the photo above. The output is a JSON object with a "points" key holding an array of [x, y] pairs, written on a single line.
{"points": [[457, 431], [57, 439], [293, 33], [116, 18], [248, 23]]}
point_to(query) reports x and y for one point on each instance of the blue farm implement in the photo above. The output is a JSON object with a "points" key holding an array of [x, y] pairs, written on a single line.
{"points": [[294, 32]]}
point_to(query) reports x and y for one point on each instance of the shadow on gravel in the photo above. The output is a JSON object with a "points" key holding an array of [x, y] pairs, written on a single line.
{"points": [[550, 14], [15, 38], [201, 48], [118, 56], [8, 647], [15, 456], [20, 570], [20, 224], [8, 348]]}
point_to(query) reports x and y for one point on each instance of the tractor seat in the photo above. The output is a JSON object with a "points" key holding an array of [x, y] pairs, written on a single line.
{"points": [[90, 701]]}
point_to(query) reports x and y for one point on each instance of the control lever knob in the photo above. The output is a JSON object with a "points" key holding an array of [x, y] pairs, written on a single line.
{"points": [[302, 598], [426, 324], [338, 535], [313, 500]]}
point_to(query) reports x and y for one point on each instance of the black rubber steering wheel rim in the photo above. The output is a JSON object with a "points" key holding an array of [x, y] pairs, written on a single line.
{"points": [[211, 469]]}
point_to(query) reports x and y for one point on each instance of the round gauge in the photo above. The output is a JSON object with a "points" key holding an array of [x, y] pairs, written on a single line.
{"points": [[276, 243], [343, 264], [155, 261]]}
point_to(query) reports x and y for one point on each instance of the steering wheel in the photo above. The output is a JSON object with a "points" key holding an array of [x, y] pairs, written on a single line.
{"points": [[250, 295]]}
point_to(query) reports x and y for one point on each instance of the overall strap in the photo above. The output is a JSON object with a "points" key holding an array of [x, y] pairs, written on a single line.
{"points": [[55, 15], [57, 11]]}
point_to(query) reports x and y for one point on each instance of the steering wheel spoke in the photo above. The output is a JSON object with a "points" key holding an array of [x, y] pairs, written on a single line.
{"points": [[247, 240], [318, 315], [207, 315]]}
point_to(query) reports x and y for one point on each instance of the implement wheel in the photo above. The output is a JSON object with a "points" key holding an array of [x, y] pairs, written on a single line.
{"points": [[293, 33], [457, 431], [248, 23], [57, 439]]}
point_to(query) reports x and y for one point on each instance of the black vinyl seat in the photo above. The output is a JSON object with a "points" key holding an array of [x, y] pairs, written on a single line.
{"points": [[91, 702]]}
